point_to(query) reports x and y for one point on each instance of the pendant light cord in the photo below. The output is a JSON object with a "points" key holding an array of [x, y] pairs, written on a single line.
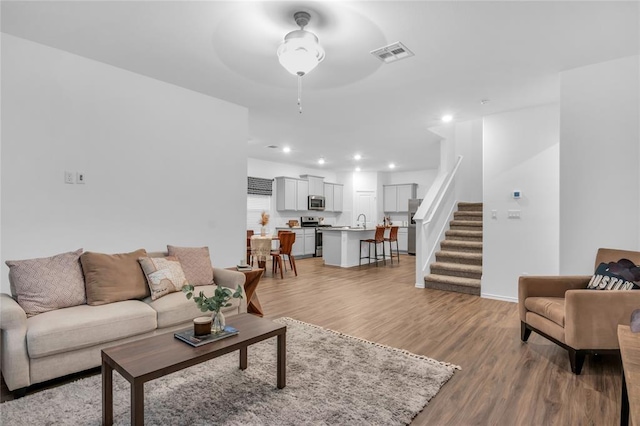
{"points": [[300, 93]]}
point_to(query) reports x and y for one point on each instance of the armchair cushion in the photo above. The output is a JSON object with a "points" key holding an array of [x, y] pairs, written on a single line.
{"points": [[551, 308]]}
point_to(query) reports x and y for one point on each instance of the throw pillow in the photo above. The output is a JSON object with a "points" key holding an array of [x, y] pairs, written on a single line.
{"points": [[195, 262], [48, 283], [114, 277], [620, 275], [164, 275]]}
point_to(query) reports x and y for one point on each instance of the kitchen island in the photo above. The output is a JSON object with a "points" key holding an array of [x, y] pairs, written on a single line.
{"points": [[341, 246]]}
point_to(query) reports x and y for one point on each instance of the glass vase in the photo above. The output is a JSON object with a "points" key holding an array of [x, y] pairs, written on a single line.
{"points": [[217, 322], [263, 231]]}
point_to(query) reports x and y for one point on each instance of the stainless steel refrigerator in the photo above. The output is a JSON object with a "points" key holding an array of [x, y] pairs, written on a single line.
{"points": [[414, 203]]}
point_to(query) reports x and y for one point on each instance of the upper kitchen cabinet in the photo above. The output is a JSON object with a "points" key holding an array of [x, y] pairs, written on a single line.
{"points": [[291, 194], [316, 184], [333, 194], [396, 197]]}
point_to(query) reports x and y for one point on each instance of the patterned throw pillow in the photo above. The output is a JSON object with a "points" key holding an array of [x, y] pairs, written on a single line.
{"points": [[620, 275], [164, 275], [49, 283], [195, 262]]}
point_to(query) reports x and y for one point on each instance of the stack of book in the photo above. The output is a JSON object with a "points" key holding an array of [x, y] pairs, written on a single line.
{"points": [[187, 336], [244, 267]]}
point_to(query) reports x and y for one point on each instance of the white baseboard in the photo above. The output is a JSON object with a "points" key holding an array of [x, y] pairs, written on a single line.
{"points": [[499, 297], [420, 285]]}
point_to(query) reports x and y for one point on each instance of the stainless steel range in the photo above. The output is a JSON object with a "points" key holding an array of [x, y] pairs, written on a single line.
{"points": [[314, 222]]}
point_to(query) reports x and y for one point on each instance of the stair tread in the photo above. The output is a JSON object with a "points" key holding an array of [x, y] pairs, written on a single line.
{"points": [[469, 282], [456, 267], [463, 232], [459, 243], [463, 222], [468, 213], [470, 204], [459, 254]]}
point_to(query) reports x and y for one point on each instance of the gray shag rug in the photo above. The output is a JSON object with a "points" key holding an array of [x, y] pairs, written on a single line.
{"points": [[332, 379]]}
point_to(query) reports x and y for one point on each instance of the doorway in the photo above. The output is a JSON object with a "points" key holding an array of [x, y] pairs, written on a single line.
{"points": [[365, 204]]}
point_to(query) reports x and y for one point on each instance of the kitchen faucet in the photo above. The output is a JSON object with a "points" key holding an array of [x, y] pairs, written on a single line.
{"points": [[364, 225]]}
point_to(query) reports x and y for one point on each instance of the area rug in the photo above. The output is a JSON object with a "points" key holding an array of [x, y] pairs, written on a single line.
{"points": [[332, 379]]}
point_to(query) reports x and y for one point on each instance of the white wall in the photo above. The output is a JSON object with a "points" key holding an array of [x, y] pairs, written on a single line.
{"points": [[468, 144], [599, 162], [520, 152], [164, 165]]}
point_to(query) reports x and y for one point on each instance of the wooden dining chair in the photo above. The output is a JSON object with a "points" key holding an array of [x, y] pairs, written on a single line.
{"points": [[287, 239], [249, 257], [393, 238]]}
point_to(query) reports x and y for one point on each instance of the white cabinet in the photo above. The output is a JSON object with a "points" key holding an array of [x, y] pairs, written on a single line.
{"points": [[298, 245], [333, 193], [338, 200], [309, 241], [291, 194], [390, 198], [302, 195], [316, 184], [305, 244], [328, 197], [396, 197], [403, 239]]}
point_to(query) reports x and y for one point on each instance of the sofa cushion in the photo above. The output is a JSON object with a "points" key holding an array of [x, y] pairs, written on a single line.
{"points": [[175, 308], [44, 284], [82, 326], [114, 277], [551, 308], [164, 275], [620, 275], [195, 262]]}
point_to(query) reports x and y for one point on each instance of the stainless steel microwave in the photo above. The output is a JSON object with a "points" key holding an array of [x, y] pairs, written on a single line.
{"points": [[316, 202]]}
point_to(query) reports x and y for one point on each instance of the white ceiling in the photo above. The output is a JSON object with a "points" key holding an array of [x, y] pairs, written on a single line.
{"points": [[507, 52]]}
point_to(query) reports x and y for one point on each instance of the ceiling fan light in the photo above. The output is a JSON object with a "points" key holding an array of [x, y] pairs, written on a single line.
{"points": [[300, 52]]}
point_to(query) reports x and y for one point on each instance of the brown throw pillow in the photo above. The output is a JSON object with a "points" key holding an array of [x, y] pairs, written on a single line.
{"points": [[114, 277], [164, 275], [48, 283], [195, 262]]}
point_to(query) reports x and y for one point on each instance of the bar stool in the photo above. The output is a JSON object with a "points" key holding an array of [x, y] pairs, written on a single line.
{"points": [[393, 237], [377, 239]]}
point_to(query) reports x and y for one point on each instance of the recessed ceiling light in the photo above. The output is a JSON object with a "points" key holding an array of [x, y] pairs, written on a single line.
{"points": [[286, 149], [357, 157], [447, 118], [392, 166], [357, 169], [321, 160]]}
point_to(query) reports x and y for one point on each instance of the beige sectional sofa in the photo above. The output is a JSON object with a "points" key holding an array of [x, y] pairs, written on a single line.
{"points": [[69, 340]]}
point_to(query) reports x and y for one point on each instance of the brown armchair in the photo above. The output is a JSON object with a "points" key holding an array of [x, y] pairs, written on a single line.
{"points": [[582, 321]]}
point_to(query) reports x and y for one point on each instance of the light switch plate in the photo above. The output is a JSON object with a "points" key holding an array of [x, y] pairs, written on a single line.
{"points": [[80, 177]]}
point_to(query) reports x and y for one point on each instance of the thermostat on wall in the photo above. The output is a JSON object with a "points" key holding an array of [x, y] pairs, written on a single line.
{"points": [[516, 194]]}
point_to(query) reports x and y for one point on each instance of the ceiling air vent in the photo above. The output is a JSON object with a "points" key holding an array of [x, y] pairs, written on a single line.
{"points": [[391, 53]]}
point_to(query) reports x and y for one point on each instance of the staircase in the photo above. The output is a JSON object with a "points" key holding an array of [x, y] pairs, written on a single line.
{"points": [[458, 265]]}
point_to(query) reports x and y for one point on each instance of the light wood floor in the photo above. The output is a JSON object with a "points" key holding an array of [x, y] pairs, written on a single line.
{"points": [[502, 382]]}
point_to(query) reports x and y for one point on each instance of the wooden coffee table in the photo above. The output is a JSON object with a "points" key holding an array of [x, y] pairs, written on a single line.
{"points": [[148, 359]]}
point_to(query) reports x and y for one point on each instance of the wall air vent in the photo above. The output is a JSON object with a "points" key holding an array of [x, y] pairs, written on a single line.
{"points": [[391, 53]]}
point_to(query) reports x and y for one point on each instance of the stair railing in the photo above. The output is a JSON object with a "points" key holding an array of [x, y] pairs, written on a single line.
{"points": [[432, 220]]}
